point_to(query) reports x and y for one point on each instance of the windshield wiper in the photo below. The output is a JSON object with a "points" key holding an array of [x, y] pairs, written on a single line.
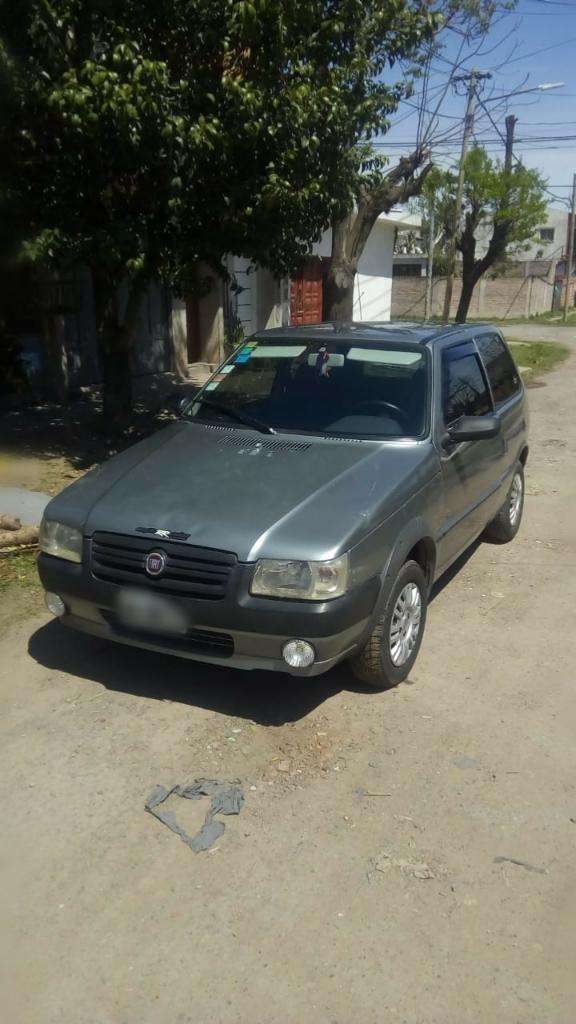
{"points": [[242, 417]]}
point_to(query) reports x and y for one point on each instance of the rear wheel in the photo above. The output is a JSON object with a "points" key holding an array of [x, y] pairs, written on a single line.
{"points": [[506, 524], [392, 647]]}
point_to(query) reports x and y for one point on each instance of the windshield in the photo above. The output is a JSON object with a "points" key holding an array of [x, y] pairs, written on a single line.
{"points": [[345, 388]]}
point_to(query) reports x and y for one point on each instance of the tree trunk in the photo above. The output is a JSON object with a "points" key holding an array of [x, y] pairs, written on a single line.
{"points": [[349, 237], [55, 335], [115, 340], [470, 276], [468, 286], [339, 293]]}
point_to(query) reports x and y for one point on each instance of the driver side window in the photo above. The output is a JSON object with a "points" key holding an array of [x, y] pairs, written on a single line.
{"points": [[464, 390]]}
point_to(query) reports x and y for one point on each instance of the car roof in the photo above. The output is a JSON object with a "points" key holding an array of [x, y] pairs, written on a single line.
{"points": [[398, 333]]}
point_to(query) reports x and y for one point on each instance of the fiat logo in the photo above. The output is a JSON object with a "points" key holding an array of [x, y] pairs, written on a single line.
{"points": [[155, 563]]}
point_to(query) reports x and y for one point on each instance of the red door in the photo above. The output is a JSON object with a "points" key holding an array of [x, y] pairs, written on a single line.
{"points": [[306, 294]]}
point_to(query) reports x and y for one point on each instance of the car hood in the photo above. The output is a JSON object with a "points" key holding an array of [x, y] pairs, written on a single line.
{"points": [[252, 494]]}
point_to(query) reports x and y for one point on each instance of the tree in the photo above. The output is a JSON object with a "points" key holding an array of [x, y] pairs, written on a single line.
{"points": [[511, 201], [350, 233], [142, 137], [500, 211], [385, 35]]}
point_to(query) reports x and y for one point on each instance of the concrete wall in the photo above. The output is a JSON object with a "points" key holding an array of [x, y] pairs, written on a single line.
{"points": [[180, 337], [270, 300], [555, 218], [258, 303], [497, 298], [246, 278], [373, 285], [153, 351], [262, 301], [211, 323]]}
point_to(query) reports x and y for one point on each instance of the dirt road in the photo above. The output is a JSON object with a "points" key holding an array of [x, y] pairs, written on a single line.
{"points": [[362, 883]]}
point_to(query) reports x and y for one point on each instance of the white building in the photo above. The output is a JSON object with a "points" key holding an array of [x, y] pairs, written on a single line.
{"points": [[257, 300], [547, 245]]}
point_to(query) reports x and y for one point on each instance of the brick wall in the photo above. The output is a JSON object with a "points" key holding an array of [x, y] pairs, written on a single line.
{"points": [[493, 298]]}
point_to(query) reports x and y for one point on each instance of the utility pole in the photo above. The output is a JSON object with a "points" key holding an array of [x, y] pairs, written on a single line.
{"points": [[510, 122], [473, 78], [430, 268], [570, 249]]}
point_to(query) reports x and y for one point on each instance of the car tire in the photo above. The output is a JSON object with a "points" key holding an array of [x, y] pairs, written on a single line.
{"points": [[391, 649], [504, 527]]}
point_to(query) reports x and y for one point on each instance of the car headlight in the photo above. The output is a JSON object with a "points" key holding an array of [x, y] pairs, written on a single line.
{"points": [[305, 581], [60, 540]]}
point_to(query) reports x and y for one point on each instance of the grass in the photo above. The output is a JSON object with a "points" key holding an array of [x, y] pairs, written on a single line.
{"points": [[537, 357], [19, 570], [553, 318]]}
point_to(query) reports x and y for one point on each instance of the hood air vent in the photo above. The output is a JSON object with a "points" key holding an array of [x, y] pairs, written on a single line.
{"points": [[233, 439]]}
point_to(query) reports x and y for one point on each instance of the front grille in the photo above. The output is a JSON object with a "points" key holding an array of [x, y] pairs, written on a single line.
{"points": [[199, 641], [190, 571]]}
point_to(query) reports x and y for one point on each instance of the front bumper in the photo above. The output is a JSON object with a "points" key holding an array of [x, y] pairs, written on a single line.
{"points": [[257, 627]]}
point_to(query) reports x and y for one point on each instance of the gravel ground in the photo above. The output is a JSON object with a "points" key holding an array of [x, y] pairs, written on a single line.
{"points": [[363, 880]]}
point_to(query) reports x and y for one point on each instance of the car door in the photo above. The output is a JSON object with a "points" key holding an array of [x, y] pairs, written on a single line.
{"points": [[470, 468], [508, 398]]}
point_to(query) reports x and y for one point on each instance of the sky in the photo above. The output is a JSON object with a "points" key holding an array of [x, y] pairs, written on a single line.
{"points": [[533, 45]]}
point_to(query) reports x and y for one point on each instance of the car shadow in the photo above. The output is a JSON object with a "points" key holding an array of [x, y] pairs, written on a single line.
{"points": [[454, 569], [267, 698]]}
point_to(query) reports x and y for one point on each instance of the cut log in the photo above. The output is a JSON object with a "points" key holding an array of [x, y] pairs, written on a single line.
{"points": [[11, 538], [9, 522]]}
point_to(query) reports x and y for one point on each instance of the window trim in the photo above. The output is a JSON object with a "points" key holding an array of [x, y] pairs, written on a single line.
{"points": [[470, 344], [519, 383]]}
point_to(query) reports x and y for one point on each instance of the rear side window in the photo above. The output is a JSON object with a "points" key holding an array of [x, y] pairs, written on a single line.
{"points": [[502, 373], [464, 388]]}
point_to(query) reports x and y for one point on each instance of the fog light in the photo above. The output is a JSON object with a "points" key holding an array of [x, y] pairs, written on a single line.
{"points": [[54, 604], [298, 654]]}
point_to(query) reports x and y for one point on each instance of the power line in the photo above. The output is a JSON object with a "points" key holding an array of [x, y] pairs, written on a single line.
{"points": [[528, 140], [548, 124], [555, 3], [543, 49]]}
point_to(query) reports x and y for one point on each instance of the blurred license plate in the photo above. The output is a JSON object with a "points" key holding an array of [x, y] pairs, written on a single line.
{"points": [[151, 613]]}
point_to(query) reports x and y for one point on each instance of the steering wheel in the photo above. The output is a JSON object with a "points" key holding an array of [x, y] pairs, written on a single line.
{"points": [[371, 402]]}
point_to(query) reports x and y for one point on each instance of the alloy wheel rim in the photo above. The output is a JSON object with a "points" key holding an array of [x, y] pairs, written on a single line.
{"points": [[515, 504], [405, 624]]}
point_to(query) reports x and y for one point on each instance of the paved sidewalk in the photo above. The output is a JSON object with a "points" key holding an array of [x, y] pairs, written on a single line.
{"points": [[27, 505], [539, 332]]}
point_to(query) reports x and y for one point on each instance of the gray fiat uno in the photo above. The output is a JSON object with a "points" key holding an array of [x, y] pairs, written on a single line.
{"points": [[301, 508]]}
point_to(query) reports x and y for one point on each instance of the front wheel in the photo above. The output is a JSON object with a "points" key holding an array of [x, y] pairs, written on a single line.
{"points": [[506, 523], [390, 651]]}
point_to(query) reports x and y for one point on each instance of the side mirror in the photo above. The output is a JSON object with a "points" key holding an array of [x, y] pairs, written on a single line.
{"points": [[473, 428], [177, 401]]}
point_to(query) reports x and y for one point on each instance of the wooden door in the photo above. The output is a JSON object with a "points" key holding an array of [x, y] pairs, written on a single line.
{"points": [[306, 294]]}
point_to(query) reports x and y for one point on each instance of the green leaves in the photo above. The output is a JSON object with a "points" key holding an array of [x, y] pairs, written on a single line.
{"points": [[501, 210], [150, 133]]}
